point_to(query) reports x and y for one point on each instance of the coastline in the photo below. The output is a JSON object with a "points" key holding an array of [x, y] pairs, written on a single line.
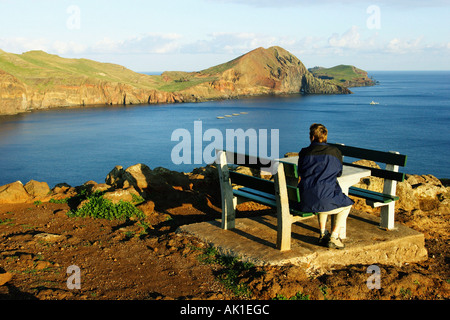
{"points": [[77, 82]]}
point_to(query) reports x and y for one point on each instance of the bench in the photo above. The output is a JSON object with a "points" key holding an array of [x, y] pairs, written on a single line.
{"points": [[391, 175], [281, 193]]}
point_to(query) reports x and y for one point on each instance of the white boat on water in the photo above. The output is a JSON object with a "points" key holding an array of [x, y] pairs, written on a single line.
{"points": [[373, 102]]}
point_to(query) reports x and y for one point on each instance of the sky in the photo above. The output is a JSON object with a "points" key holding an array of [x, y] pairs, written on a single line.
{"points": [[192, 35]]}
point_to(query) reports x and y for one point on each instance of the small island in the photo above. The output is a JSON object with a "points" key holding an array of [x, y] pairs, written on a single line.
{"points": [[345, 75]]}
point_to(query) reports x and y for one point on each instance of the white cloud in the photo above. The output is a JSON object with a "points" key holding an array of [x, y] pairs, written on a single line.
{"points": [[354, 43], [21, 44], [235, 43], [400, 46], [350, 39], [290, 3], [147, 43], [61, 47]]}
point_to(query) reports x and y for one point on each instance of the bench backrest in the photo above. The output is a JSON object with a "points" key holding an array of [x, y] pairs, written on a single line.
{"points": [[391, 159], [260, 184]]}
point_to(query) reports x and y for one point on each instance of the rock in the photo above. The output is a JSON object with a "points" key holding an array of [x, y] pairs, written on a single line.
{"points": [[41, 265], [138, 176], [93, 186], [121, 194], [370, 183], [61, 188], [290, 154], [173, 178], [100, 187], [14, 193], [5, 277], [147, 207], [37, 189], [49, 237], [424, 192], [115, 177]]}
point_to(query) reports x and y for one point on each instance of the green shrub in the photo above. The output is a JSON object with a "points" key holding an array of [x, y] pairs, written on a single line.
{"points": [[98, 207]]}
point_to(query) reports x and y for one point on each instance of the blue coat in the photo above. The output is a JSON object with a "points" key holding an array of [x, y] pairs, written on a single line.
{"points": [[319, 165]]}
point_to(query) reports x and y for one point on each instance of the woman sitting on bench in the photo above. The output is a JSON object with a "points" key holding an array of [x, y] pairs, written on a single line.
{"points": [[319, 165]]}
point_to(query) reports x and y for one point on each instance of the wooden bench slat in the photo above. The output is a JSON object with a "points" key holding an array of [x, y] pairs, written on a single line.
{"points": [[374, 155], [381, 173], [252, 182], [248, 160], [372, 195], [255, 197], [263, 185]]}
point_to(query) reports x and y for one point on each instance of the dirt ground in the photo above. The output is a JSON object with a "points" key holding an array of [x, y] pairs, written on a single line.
{"points": [[126, 260]]}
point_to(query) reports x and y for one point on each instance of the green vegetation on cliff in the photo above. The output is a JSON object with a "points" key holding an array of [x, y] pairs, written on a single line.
{"points": [[38, 80], [43, 70]]}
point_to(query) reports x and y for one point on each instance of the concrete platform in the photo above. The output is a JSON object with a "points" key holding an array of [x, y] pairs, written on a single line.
{"points": [[253, 240]]}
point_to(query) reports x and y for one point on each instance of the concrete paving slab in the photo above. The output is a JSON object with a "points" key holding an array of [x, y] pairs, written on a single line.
{"points": [[253, 240]]}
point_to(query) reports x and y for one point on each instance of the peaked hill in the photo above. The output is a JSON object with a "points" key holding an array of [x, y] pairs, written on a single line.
{"points": [[38, 80]]}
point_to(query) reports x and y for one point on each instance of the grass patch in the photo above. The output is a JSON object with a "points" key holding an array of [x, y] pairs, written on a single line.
{"points": [[297, 296], [231, 271], [185, 83], [65, 200]]}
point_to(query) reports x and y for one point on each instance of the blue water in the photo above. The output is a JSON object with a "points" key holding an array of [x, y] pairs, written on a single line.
{"points": [[81, 144]]}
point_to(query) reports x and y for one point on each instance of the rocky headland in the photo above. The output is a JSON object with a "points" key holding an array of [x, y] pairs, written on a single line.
{"points": [[345, 75], [141, 256], [37, 80]]}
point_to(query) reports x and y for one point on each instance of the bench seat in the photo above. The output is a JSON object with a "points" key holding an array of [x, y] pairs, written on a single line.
{"points": [[373, 198]]}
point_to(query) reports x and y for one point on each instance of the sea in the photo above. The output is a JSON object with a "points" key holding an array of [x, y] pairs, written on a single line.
{"points": [[75, 145]]}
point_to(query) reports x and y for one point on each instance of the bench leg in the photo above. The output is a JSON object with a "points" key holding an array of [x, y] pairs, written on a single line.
{"points": [[284, 233], [387, 213], [228, 200], [387, 216], [284, 222]]}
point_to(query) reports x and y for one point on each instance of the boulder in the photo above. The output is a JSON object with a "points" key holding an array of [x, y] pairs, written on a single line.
{"points": [[424, 192], [121, 194], [370, 183], [5, 277], [62, 188], [13, 193], [416, 192], [93, 186], [115, 177], [138, 176], [49, 237], [147, 208], [173, 178], [37, 189]]}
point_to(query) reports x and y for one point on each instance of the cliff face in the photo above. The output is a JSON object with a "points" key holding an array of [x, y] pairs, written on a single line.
{"points": [[13, 94], [264, 71], [37, 80]]}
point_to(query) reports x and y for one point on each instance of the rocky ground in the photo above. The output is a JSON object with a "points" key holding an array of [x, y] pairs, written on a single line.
{"points": [[143, 257]]}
